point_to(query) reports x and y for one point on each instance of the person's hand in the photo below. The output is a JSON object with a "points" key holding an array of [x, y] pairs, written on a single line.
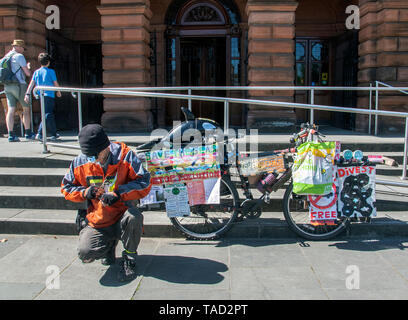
{"points": [[92, 192], [27, 98], [28, 65], [99, 193], [59, 94], [109, 198]]}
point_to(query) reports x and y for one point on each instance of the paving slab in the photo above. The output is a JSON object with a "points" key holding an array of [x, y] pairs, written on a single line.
{"points": [[237, 269]]}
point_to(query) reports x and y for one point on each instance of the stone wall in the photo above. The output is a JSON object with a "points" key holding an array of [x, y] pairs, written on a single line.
{"points": [[271, 60], [22, 19], [125, 49], [383, 55]]}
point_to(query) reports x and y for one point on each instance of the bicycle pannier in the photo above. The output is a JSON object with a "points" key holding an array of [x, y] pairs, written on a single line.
{"points": [[313, 168]]}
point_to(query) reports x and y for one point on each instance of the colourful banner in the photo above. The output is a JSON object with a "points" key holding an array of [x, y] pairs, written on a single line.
{"points": [[194, 167]]}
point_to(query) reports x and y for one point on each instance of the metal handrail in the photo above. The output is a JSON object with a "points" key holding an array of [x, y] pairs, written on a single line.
{"points": [[402, 90], [226, 102], [226, 88], [312, 90], [389, 86]]}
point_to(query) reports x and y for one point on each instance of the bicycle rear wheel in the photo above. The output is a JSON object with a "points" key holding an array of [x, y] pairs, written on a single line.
{"points": [[296, 212], [210, 221]]}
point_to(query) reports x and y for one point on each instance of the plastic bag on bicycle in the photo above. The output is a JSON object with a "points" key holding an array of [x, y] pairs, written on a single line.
{"points": [[313, 168]]}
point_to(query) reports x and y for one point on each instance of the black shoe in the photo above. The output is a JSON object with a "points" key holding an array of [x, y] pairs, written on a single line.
{"points": [[128, 270], [110, 256]]}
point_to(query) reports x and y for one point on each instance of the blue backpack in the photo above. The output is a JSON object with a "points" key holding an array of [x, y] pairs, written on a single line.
{"points": [[6, 73]]}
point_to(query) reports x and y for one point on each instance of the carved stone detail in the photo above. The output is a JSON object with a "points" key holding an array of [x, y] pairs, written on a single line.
{"points": [[203, 14]]}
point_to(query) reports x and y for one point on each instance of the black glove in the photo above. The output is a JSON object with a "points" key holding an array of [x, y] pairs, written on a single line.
{"points": [[90, 193], [110, 198]]}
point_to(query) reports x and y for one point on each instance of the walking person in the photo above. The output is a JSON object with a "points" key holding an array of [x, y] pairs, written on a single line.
{"points": [[108, 176], [45, 76], [15, 91]]}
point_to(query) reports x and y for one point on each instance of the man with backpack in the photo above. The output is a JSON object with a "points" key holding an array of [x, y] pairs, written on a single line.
{"points": [[13, 70]]}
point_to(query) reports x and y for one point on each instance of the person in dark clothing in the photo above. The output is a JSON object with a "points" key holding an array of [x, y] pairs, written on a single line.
{"points": [[108, 176]]}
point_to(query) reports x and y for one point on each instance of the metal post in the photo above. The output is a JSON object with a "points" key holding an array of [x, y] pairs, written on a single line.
{"points": [[370, 103], [404, 167], [226, 117], [79, 111], [190, 107], [31, 113], [22, 127], [44, 125], [376, 109], [312, 110]]}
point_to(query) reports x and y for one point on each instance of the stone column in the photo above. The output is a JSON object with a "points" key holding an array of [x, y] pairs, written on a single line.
{"points": [[383, 52], [22, 19], [125, 49], [271, 60]]}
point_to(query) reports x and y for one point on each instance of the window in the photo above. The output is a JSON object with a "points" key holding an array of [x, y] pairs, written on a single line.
{"points": [[312, 63], [171, 62], [235, 62]]}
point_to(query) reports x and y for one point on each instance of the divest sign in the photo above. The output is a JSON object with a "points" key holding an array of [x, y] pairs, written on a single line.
{"points": [[357, 191]]}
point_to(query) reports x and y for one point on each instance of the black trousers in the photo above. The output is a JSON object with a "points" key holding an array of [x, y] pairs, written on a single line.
{"points": [[95, 243]]}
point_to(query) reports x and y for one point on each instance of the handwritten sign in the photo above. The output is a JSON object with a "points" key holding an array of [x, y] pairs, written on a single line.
{"points": [[357, 191], [176, 198], [196, 168], [253, 165]]}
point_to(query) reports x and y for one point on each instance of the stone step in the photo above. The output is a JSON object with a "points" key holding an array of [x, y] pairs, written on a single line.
{"points": [[36, 177], [35, 198], [34, 162], [387, 198], [156, 224], [42, 177]]}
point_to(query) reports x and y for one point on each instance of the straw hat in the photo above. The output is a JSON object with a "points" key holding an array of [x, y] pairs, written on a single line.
{"points": [[18, 43]]}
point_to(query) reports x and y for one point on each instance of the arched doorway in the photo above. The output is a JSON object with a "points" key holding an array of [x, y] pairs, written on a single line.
{"points": [[203, 48]]}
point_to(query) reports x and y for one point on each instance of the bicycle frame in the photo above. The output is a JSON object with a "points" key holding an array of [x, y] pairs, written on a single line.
{"points": [[250, 206]]}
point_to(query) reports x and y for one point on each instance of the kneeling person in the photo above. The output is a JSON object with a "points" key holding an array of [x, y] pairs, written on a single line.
{"points": [[107, 175]]}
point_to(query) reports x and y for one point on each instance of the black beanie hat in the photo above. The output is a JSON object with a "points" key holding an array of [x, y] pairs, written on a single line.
{"points": [[92, 140]]}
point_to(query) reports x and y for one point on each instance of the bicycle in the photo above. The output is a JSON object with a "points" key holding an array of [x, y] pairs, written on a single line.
{"points": [[207, 222], [295, 207]]}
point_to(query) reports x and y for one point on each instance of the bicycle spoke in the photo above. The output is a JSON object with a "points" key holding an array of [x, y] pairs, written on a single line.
{"points": [[208, 221], [297, 215]]}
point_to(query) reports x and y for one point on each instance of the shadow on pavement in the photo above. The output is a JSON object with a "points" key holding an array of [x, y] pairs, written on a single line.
{"points": [[175, 269], [250, 242], [371, 245]]}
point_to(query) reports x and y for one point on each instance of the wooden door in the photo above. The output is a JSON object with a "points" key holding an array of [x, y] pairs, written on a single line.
{"points": [[203, 63]]}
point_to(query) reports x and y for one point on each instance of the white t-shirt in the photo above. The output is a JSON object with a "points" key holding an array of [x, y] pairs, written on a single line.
{"points": [[18, 61]]}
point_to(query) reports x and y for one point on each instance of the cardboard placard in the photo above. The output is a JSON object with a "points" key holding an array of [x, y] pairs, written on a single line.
{"points": [[253, 165], [357, 191]]}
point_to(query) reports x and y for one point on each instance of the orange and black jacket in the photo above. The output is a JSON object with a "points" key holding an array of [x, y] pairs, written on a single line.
{"points": [[125, 175]]}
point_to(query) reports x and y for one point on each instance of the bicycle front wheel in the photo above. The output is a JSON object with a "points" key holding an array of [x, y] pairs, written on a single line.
{"points": [[296, 212], [210, 221]]}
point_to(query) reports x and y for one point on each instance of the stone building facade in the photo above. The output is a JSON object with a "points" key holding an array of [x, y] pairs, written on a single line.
{"points": [[138, 43]]}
